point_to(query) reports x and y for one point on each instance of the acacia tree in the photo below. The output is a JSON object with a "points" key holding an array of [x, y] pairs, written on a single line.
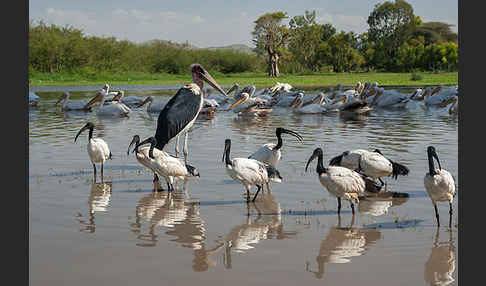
{"points": [[270, 37]]}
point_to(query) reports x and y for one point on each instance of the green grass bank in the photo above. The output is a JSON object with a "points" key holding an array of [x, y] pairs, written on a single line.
{"points": [[258, 79]]}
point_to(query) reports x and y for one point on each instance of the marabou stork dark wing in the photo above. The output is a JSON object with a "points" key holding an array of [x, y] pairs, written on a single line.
{"points": [[181, 109]]}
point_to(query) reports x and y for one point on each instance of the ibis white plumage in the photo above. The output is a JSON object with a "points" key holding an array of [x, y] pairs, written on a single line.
{"points": [[341, 182], [165, 165], [98, 150], [372, 164], [439, 184], [248, 172], [270, 153]]}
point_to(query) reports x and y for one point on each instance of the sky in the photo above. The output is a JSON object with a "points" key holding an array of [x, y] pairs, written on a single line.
{"points": [[212, 23]]}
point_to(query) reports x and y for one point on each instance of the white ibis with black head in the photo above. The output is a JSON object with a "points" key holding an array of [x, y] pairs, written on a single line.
{"points": [[98, 150], [339, 181], [167, 166], [372, 164], [270, 153], [181, 111], [439, 183], [248, 172]]}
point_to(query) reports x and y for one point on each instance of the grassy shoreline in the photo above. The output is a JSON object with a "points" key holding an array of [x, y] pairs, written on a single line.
{"points": [[258, 79]]}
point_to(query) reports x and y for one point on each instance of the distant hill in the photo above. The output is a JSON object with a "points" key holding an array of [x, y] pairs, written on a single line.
{"points": [[237, 47]]}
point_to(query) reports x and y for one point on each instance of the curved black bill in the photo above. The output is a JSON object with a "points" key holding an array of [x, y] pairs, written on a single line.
{"points": [[295, 134]]}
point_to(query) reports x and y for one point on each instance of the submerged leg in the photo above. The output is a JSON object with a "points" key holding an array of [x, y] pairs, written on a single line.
{"points": [[352, 207], [450, 214], [436, 214], [102, 172], [247, 193], [339, 205], [156, 178], [94, 168], [259, 188]]}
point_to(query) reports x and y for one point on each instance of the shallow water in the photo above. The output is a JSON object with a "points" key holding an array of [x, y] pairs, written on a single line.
{"points": [[121, 233]]}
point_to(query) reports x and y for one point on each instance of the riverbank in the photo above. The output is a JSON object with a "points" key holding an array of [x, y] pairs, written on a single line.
{"points": [[260, 79]]}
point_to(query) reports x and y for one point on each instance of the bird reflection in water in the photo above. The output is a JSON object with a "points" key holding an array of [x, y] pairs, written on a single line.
{"points": [[181, 219], [266, 225], [342, 243], [379, 203], [440, 266], [98, 200]]}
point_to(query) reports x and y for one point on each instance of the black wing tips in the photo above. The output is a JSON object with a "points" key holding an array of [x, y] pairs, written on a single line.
{"points": [[336, 161], [399, 169]]}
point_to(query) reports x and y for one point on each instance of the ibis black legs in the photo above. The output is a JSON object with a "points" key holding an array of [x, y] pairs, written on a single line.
{"points": [[259, 188], [436, 214], [94, 175], [339, 206], [94, 168], [450, 214]]}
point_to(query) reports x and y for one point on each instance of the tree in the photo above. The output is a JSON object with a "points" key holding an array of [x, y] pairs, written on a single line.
{"points": [[306, 35], [436, 32], [338, 52], [390, 25], [270, 37]]}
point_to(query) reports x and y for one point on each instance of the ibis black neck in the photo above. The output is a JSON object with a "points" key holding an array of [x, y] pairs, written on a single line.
{"points": [[320, 164], [431, 165]]}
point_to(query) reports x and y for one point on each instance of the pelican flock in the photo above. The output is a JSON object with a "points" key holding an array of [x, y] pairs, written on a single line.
{"points": [[351, 175]]}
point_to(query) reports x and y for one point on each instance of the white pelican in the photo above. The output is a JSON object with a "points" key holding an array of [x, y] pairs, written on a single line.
{"points": [[98, 150], [248, 172], [372, 164], [115, 108], [152, 106], [284, 99], [439, 183], [33, 99], [440, 266], [181, 111], [285, 87], [68, 105], [220, 98], [453, 109], [339, 181], [270, 153], [131, 100], [250, 106], [441, 96], [317, 105], [390, 98], [167, 166]]}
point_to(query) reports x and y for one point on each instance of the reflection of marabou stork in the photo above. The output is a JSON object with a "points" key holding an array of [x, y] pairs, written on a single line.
{"points": [[181, 111]]}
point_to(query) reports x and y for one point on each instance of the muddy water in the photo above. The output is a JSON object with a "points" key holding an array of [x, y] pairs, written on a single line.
{"points": [[122, 233]]}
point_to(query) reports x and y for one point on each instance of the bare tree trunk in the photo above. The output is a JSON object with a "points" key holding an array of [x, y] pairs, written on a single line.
{"points": [[273, 71]]}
